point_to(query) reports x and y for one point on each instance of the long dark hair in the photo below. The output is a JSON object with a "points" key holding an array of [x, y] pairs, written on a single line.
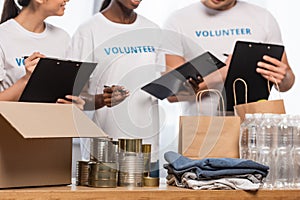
{"points": [[11, 10], [105, 4]]}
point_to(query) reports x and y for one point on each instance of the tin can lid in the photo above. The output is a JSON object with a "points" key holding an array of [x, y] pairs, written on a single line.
{"points": [[130, 145], [151, 181], [146, 148]]}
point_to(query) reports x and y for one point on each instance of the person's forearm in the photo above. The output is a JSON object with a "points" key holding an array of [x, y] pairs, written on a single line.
{"points": [[180, 98], [288, 81], [215, 80], [14, 92], [288, 77], [93, 102]]}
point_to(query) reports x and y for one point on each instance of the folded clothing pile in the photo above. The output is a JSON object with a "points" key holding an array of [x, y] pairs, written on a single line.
{"points": [[214, 173]]}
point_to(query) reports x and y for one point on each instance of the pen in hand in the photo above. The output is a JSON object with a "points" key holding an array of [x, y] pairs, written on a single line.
{"points": [[113, 95], [118, 89]]}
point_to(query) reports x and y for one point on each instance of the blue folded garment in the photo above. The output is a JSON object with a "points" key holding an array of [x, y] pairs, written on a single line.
{"points": [[214, 167]]}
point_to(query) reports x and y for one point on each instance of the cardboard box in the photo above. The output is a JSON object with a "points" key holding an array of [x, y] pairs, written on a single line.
{"points": [[36, 142]]}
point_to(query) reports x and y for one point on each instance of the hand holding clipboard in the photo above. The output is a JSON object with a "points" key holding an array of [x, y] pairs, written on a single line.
{"points": [[173, 82], [55, 78], [243, 65]]}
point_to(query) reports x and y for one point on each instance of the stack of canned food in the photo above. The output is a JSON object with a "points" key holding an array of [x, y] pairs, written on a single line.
{"points": [[124, 163]]}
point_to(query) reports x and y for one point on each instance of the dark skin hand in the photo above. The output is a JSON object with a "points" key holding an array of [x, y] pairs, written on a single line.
{"points": [[92, 102], [196, 85], [191, 88], [114, 95]]}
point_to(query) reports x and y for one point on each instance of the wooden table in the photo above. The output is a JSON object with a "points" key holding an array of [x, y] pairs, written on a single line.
{"points": [[157, 193]]}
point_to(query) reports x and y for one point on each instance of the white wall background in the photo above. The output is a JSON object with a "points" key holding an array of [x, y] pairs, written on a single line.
{"points": [[76, 12]]}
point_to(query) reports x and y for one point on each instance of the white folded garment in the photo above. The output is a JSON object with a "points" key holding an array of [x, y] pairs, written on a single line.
{"points": [[188, 179]]}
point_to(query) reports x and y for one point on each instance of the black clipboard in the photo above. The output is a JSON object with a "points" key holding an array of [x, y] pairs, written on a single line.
{"points": [[243, 65], [172, 82], [54, 78]]}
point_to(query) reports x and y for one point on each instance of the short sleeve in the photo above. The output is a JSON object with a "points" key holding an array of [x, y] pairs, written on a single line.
{"points": [[273, 30], [4, 83], [2, 70], [172, 38], [81, 47]]}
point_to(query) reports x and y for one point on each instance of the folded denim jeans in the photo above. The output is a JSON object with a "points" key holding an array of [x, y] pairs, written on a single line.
{"points": [[214, 167]]}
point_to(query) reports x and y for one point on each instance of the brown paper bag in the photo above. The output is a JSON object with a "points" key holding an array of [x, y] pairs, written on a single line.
{"points": [[209, 136], [266, 106]]}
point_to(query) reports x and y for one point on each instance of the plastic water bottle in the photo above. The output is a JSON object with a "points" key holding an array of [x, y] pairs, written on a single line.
{"points": [[296, 152], [243, 142], [283, 154], [252, 136], [265, 136]]}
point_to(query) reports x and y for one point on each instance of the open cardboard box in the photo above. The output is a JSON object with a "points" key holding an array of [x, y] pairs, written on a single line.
{"points": [[36, 142]]}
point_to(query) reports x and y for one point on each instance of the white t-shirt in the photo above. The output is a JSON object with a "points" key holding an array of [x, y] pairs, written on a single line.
{"points": [[17, 42], [126, 55], [196, 28]]}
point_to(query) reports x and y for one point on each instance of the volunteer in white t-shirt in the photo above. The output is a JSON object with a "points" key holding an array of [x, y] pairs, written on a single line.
{"points": [[23, 32], [124, 44], [215, 26]]}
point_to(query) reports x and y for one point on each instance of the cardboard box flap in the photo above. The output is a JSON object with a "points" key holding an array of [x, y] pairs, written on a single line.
{"points": [[46, 120]]}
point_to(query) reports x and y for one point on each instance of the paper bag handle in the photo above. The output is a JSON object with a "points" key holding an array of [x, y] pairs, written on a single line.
{"points": [[199, 98], [246, 90]]}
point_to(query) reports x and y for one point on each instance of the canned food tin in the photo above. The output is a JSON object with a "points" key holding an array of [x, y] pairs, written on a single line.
{"points": [[151, 181], [82, 173], [130, 145], [102, 174], [103, 150]]}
